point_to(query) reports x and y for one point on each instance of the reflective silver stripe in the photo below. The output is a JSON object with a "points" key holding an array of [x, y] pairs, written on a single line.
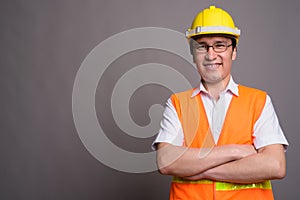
{"points": [[212, 29]]}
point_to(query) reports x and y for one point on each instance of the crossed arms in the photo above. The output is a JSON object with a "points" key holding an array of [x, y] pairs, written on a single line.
{"points": [[231, 163]]}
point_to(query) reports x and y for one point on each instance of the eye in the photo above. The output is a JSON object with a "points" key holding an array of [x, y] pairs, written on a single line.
{"points": [[200, 46], [219, 45]]}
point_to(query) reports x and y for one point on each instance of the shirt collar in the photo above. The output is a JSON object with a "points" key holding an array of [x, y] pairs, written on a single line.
{"points": [[231, 87]]}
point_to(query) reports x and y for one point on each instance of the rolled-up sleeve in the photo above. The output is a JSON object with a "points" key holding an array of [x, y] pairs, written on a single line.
{"points": [[267, 129]]}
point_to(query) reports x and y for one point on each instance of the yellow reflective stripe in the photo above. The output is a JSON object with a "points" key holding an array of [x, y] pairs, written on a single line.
{"points": [[223, 186], [234, 186], [181, 180]]}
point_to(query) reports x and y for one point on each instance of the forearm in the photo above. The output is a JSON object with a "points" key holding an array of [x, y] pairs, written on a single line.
{"points": [[266, 165], [182, 161]]}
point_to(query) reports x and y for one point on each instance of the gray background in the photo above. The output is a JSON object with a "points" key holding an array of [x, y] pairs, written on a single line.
{"points": [[42, 46]]}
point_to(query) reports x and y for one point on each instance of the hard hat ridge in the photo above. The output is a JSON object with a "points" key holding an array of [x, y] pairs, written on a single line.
{"points": [[213, 20]]}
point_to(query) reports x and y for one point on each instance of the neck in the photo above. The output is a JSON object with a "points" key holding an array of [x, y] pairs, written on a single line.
{"points": [[215, 88]]}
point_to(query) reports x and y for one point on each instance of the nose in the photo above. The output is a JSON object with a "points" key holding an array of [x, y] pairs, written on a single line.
{"points": [[211, 54]]}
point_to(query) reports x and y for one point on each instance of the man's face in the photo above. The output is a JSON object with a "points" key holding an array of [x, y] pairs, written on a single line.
{"points": [[214, 67]]}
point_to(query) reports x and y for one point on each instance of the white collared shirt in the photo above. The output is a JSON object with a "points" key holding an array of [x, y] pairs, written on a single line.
{"points": [[267, 130]]}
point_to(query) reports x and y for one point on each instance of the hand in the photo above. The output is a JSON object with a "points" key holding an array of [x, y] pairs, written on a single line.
{"points": [[195, 177], [244, 150]]}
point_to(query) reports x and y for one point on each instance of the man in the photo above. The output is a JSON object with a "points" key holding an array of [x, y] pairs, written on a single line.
{"points": [[220, 140]]}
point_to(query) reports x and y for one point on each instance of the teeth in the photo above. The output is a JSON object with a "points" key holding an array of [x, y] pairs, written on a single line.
{"points": [[212, 66]]}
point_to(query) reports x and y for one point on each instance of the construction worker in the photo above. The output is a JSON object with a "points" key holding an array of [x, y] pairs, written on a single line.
{"points": [[220, 140]]}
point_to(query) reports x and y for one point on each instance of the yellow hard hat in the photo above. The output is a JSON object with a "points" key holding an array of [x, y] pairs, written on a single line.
{"points": [[213, 20]]}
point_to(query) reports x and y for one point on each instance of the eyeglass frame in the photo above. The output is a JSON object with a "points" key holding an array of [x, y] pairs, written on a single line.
{"points": [[213, 47]]}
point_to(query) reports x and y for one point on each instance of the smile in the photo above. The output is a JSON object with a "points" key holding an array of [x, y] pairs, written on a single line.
{"points": [[213, 66]]}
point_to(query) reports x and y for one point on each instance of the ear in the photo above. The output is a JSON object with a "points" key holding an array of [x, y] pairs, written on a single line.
{"points": [[234, 52]]}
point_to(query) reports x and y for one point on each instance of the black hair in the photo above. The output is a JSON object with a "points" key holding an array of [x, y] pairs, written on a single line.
{"points": [[194, 38]]}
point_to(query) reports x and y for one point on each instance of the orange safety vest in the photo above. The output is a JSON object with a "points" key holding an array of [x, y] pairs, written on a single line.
{"points": [[241, 116]]}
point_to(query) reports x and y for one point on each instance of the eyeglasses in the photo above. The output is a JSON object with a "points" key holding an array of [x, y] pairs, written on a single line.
{"points": [[218, 47]]}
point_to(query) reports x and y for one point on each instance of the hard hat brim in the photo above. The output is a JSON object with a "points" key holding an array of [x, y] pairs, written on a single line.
{"points": [[213, 30]]}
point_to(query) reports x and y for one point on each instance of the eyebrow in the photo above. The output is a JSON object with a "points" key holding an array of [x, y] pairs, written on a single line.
{"points": [[217, 41]]}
